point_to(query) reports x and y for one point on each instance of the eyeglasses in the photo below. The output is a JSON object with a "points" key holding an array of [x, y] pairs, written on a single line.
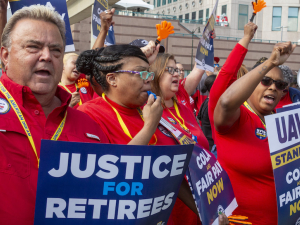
{"points": [[145, 75], [180, 70], [268, 81], [172, 70]]}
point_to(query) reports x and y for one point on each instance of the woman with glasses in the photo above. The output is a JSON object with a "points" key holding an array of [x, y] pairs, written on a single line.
{"points": [[237, 109], [166, 84], [122, 73]]}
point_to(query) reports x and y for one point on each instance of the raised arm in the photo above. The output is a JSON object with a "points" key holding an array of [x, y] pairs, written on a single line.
{"points": [[228, 73], [228, 107], [3, 14], [193, 79], [106, 18]]}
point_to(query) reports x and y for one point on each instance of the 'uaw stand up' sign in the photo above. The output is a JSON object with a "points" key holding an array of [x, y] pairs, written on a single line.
{"points": [[83, 183], [283, 130]]}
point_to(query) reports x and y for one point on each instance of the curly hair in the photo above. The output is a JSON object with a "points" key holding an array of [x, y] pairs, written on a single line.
{"points": [[99, 62], [287, 73]]}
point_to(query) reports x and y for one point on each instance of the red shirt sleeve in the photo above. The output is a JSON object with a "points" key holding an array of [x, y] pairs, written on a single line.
{"points": [[225, 78], [182, 96]]}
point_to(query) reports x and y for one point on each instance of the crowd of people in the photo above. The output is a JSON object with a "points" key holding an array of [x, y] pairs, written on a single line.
{"points": [[39, 94]]}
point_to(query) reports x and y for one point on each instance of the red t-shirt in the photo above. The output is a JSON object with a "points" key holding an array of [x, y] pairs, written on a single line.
{"points": [[181, 214], [286, 100], [86, 93], [244, 156], [100, 111], [183, 97], [246, 159], [18, 163]]}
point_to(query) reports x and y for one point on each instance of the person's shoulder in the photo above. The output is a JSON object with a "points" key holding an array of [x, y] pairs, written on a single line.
{"points": [[93, 104], [85, 123]]}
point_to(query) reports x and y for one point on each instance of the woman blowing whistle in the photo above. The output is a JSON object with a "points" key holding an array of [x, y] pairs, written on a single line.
{"points": [[240, 132]]}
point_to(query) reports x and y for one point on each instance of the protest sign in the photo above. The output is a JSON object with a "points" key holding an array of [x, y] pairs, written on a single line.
{"points": [[205, 50], [100, 6], [284, 141], [211, 186], [57, 5], [84, 183]]}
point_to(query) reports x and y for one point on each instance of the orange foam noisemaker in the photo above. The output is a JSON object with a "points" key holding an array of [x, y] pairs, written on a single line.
{"points": [[163, 31], [258, 5], [82, 82]]}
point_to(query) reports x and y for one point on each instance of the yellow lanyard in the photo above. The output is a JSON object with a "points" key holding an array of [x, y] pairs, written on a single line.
{"points": [[178, 114], [80, 102], [251, 110], [22, 120], [124, 127]]}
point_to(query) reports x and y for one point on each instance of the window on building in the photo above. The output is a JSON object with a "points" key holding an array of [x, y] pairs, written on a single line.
{"points": [[187, 17], [276, 20], [201, 16], [169, 1], [243, 16], [174, 0], [207, 15], [163, 2], [293, 19], [180, 18], [194, 16], [224, 9], [158, 3], [154, 3]]}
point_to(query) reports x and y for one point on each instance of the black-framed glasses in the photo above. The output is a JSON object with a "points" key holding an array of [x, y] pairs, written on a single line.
{"points": [[279, 84], [180, 70], [145, 75], [172, 70]]}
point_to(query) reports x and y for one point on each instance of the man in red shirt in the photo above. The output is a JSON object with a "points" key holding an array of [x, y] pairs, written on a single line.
{"points": [[32, 107]]}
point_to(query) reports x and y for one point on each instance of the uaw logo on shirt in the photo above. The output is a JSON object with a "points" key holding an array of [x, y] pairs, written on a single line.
{"points": [[172, 121], [4, 106], [261, 133], [183, 102], [83, 90]]}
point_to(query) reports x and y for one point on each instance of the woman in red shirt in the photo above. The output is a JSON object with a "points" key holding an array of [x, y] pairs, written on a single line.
{"points": [[240, 133], [68, 82], [166, 84]]}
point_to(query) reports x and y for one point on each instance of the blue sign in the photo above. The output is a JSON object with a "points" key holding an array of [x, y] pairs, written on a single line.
{"points": [[84, 183], [205, 50], [210, 186], [57, 5], [284, 141], [100, 6]]}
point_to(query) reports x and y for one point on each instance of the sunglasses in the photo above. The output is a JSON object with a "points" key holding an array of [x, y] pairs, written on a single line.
{"points": [[279, 84], [172, 70], [145, 75], [216, 65]]}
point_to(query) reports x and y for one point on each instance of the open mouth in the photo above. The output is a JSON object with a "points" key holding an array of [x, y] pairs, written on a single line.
{"points": [[269, 99], [76, 72], [43, 72], [175, 82]]}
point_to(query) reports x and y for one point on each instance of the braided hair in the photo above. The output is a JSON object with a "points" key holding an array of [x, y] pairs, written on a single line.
{"points": [[99, 62]]}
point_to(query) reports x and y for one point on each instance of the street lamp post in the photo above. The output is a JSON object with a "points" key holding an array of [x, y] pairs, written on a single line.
{"points": [[281, 30]]}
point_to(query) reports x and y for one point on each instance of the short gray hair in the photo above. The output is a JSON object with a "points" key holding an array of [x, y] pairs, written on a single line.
{"points": [[35, 12], [287, 73]]}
